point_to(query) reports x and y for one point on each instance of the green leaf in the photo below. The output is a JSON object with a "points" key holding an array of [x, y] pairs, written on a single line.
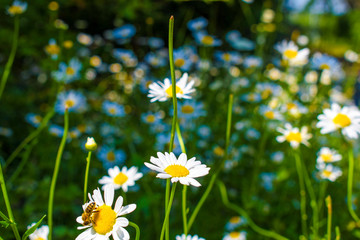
{"points": [[32, 229], [5, 224], [1, 238], [4, 217]]}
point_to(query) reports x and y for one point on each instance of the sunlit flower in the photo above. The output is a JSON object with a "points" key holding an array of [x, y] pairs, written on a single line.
{"points": [[228, 58], [294, 136], [85, 39], [17, 8], [327, 155], [329, 172], [204, 39], [105, 220], [53, 6], [121, 179], [270, 113], [162, 91], [180, 169], [291, 53], [190, 110], [235, 236], [347, 119], [235, 222], [73, 100], [188, 237], [40, 233]]}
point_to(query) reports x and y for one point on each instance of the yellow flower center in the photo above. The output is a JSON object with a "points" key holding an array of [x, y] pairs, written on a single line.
{"points": [[342, 120], [112, 110], [324, 66], [294, 136], [289, 53], [70, 71], [269, 114], [52, 49], [120, 179], [39, 238], [169, 91], [251, 97], [327, 157], [81, 128], [234, 234], [327, 173], [38, 119], [69, 103], [177, 171], [187, 109], [226, 57], [179, 62], [290, 106], [207, 40], [15, 10], [95, 61], [53, 6], [104, 219], [68, 44], [219, 151], [266, 93], [150, 118], [110, 156], [234, 220]]}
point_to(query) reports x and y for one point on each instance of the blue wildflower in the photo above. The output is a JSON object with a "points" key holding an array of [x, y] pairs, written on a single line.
{"points": [[236, 41], [155, 60], [228, 58], [56, 130], [252, 62], [68, 73], [33, 119], [197, 24], [190, 110], [73, 100], [52, 49], [126, 31], [7, 132], [126, 56], [336, 7], [111, 157], [183, 58], [155, 42], [113, 109], [17, 8], [204, 39]]}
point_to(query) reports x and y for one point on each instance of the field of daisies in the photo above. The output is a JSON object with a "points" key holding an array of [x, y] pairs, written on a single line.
{"points": [[179, 120]]}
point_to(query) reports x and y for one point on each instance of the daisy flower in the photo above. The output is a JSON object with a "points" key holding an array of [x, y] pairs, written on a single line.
{"points": [[294, 136], [235, 236], [188, 237], [235, 222], [40, 233], [329, 172], [162, 91], [73, 100], [327, 155], [291, 53], [121, 179], [180, 169], [17, 8], [33, 119], [105, 220], [347, 119], [197, 24], [113, 109]]}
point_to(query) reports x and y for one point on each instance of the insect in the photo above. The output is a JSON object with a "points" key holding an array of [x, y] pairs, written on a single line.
{"points": [[87, 215]]}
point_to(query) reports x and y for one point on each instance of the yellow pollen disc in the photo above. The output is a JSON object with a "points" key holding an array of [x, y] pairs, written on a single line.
{"points": [[115, 68], [52, 49], [39, 238], [69, 103], [104, 219], [110, 156], [219, 151], [327, 173], [289, 53], [169, 91], [70, 71], [68, 44], [234, 220], [53, 6], [327, 157], [177, 171], [269, 114], [179, 62], [15, 10], [342, 120], [324, 66], [251, 97], [207, 40], [150, 118], [187, 109], [38, 119], [112, 110], [290, 106], [294, 136], [234, 234], [266, 93], [120, 179], [226, 57], [95, 61]]}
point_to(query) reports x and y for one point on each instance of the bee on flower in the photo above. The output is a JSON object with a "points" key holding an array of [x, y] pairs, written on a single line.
{"points": [[178, 169], [346, 119], [327, 155], [40, 233], [329, 172], [121, 179], [235, 236], [17, 8], [104, 221], [188, 237], [163, 91], [294, 136]]}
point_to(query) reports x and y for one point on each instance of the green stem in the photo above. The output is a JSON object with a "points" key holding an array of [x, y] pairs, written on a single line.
{"points": [[56, 171], [349, 187], [137, 229], [218, 168], [12, 55], [184, 210], [337, 232], [30, 137], [88, 159], [302, 195], [243, 213], [168, 209], [181, 141], [8, 206], [167, 196], [329, 207]]}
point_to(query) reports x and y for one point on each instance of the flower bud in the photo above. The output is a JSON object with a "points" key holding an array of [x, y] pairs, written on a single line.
{"points": [[90, 144]]}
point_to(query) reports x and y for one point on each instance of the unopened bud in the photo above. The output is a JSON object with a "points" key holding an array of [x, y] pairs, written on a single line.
{"points": [[90, 144]]}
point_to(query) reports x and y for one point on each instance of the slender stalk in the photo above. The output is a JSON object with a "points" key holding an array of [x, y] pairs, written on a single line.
{"points": [[218, 168], [8, 206], [184, 210], [349, 187], [302, 195], [88, 159], [137, 229], [167, 196], [181, 141], [243, 213], [56, 171], [173, 188], [30, 137], [337, 232], [329, 207], [12, 55]]}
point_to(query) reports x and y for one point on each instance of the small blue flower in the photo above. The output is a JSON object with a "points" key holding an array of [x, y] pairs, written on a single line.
{"points": [[126, 31], [228, 58], [251, 97], [163, 139], [252, 62], [113, 109], [126, 56], [7, 132], [335, 7], [111, 157], [204, 131], [155, 60], [155, 42], [68, 73], [52, 49], [204, 39], [73, 100], [33, 119], [107, 130], [183, 58], [190, 109], [325, 62], [267, 180], [17, 8], [56, 130], [197, 24], [277, 157], [236, 41]]}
